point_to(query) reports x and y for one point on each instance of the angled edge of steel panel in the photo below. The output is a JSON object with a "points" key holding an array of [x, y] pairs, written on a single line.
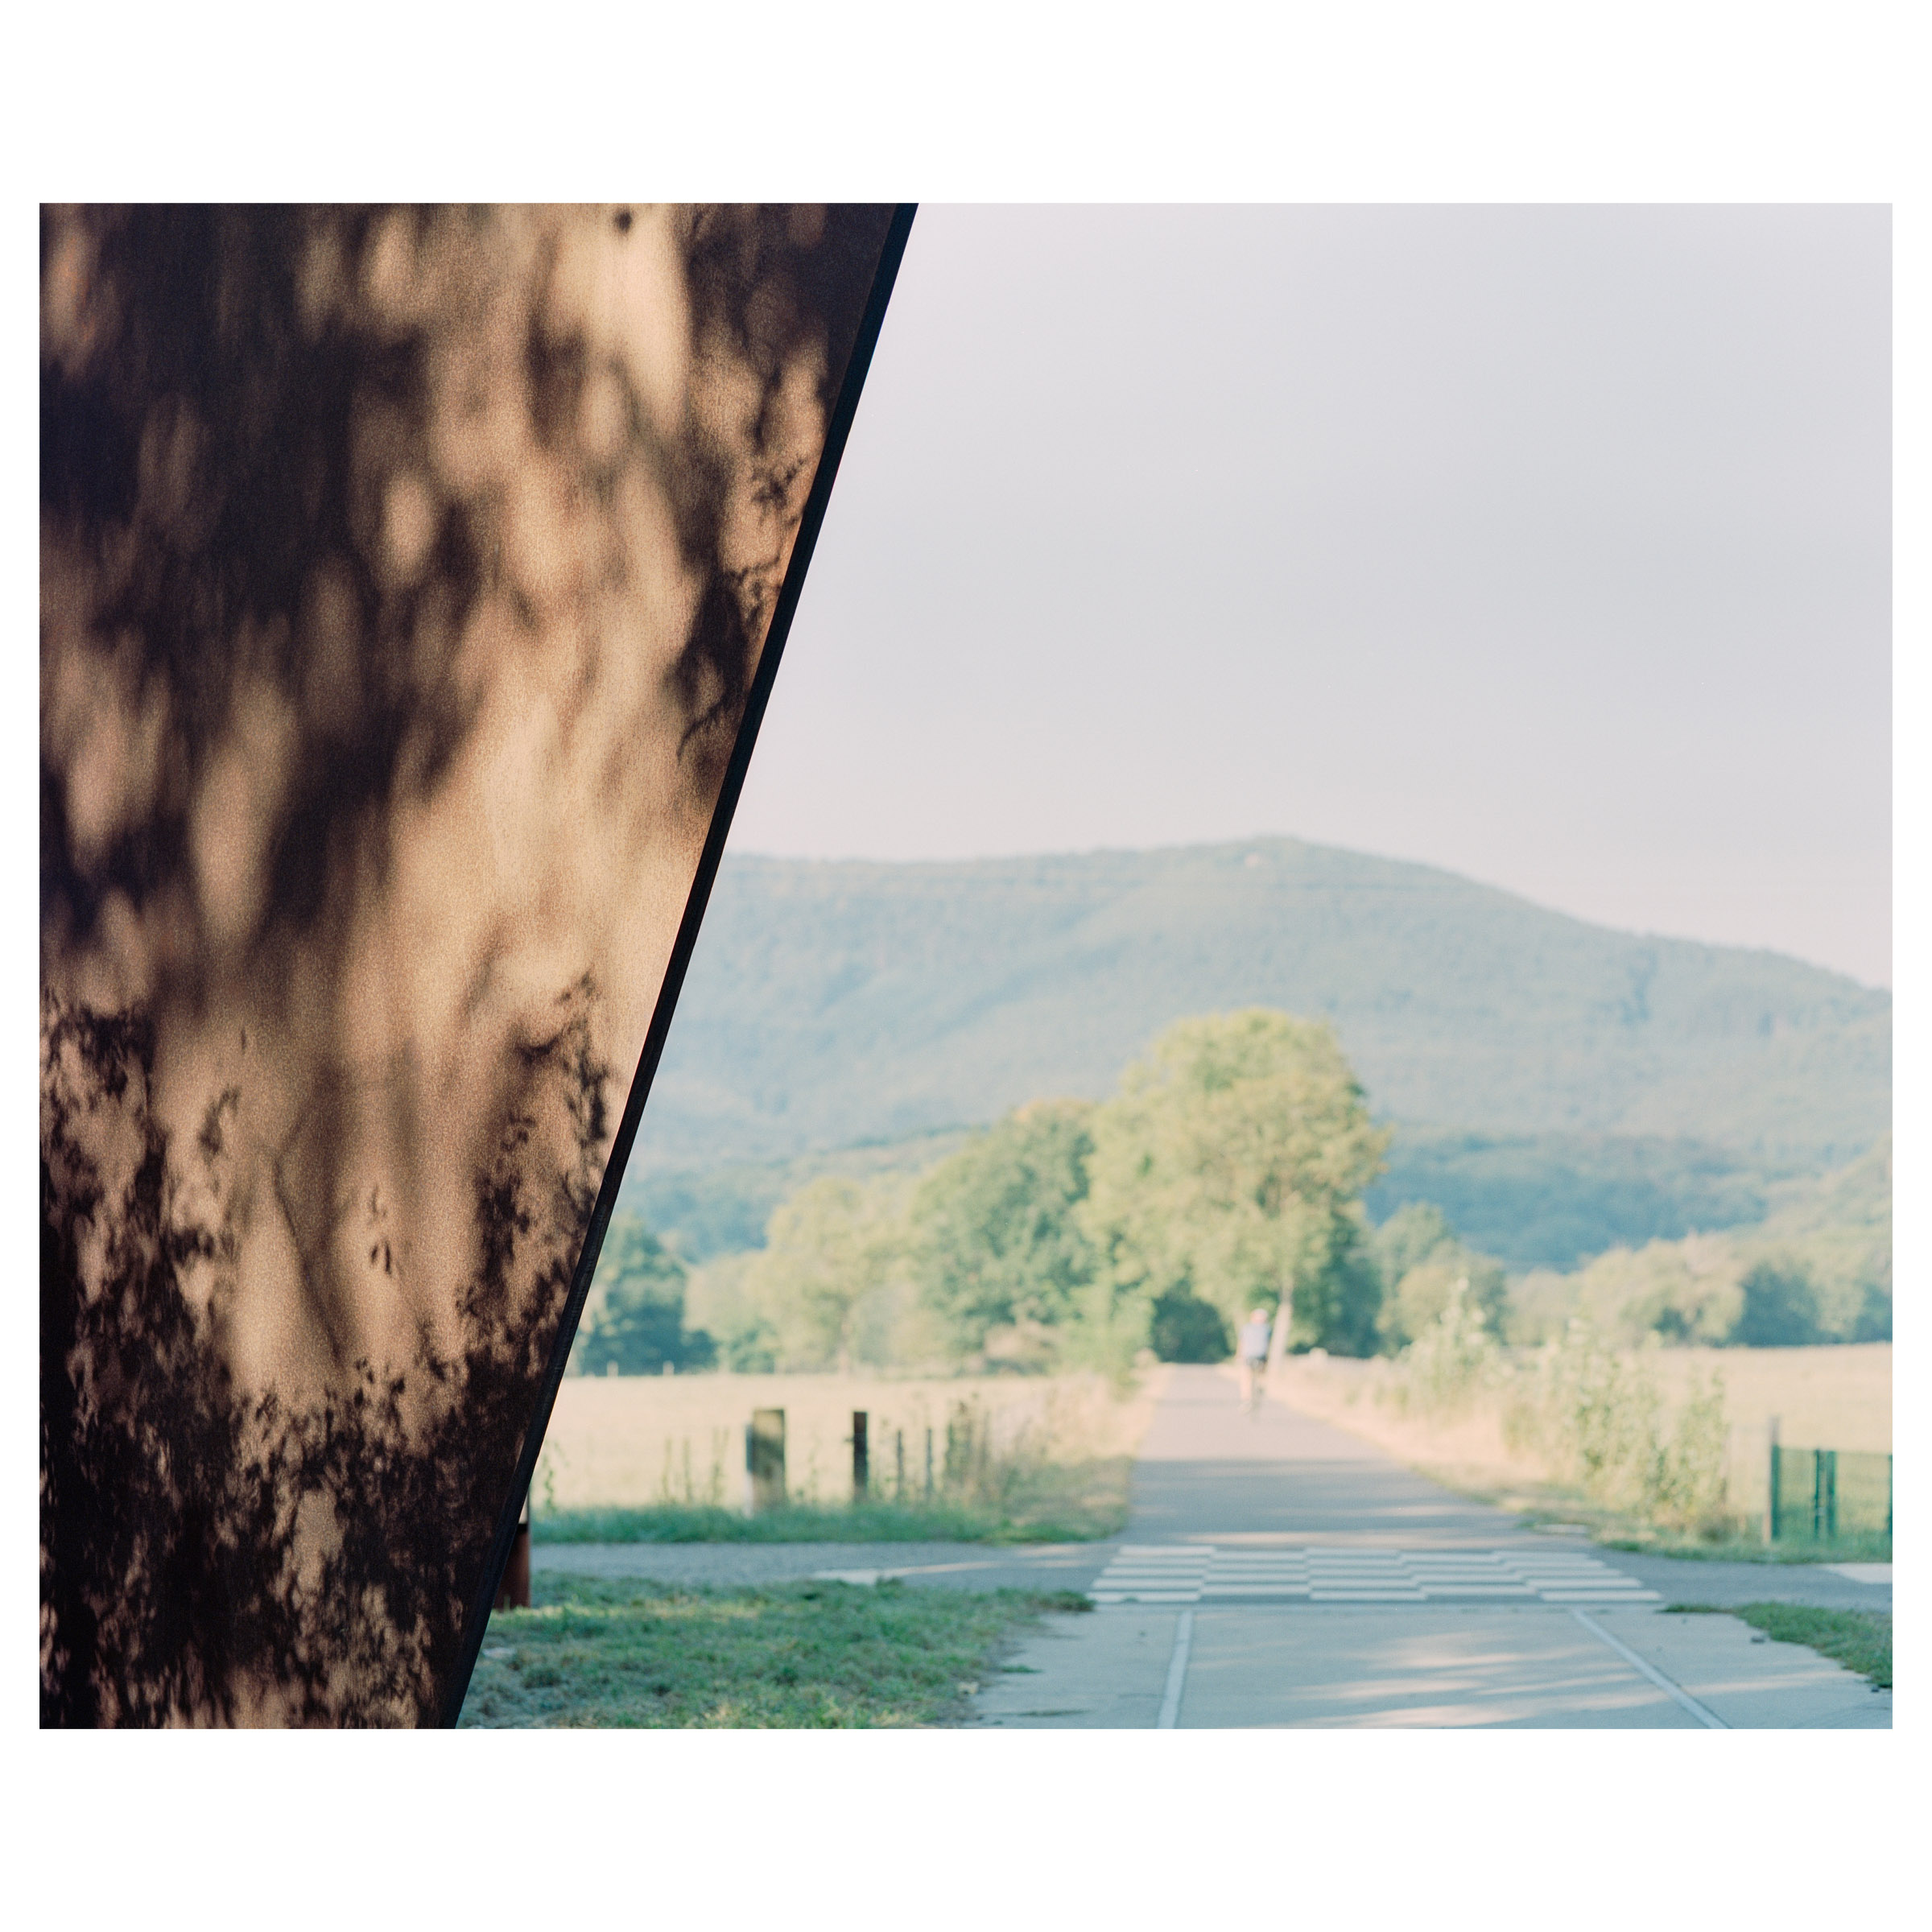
{"points": [[813, 516]]}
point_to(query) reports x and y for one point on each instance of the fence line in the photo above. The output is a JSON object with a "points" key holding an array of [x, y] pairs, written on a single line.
{"points": [[1819, 1495]]}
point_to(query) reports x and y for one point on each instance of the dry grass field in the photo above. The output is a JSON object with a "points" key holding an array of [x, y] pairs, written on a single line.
{"points": [[1838, 1397], [1357, 1396], [634, 1441]]}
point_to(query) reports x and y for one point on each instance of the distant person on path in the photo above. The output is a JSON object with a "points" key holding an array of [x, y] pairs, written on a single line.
{"points": [[1253, 1352]]}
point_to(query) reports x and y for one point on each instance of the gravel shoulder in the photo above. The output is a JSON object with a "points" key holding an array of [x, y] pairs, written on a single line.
{"points": [[947, 1566]]}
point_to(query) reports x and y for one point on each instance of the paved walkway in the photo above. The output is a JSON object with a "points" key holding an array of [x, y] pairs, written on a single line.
{"points": [[1316, 1573], [1279, 1572]]}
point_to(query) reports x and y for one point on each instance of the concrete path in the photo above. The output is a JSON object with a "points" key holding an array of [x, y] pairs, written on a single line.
{"points": [[1279, 1572], [1080, 1567], [1694, 1580]]}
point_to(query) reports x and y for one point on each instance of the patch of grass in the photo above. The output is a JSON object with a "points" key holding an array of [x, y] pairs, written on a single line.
{"points": [[795, 1523], [1069, 1504], [597, 1652], [1543, 1504], [1860, 1640], [1748, 1549]]}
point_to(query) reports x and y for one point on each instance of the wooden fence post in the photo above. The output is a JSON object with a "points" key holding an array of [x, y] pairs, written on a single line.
{"points": [[765, 1458], [1771, 1501], [861, 1456]]}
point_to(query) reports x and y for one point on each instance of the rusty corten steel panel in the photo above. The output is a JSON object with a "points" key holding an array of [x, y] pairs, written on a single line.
{"points": [[408, 589]]}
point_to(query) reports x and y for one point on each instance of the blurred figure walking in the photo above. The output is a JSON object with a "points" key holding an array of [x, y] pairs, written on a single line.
{"points": [[1253, 1353]]}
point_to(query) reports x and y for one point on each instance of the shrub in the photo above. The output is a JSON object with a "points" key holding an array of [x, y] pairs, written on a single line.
{"points": [[1780, 1310], [1595, 1418], [1186, 1329], [1454, 1363]]}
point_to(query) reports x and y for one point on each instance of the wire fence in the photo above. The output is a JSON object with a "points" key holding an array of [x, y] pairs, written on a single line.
{"points": [[1818, 1496]]}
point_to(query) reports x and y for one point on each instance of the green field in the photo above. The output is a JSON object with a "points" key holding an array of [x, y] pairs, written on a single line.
{"points": [[808, 1655]]}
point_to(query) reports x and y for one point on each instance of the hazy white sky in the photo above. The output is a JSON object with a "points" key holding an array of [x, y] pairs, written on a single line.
{"points": [[1549, 545]]}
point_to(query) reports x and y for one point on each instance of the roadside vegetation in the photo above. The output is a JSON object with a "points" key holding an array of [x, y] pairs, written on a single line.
{"points": [[1083, 1502], [1071, 1244], [1860, 1640], [1638, 1448], [1014, 1460], [611, 1654]]}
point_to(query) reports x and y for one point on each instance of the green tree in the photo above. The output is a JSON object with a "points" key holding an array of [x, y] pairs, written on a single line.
{"points": [[715, 1300], [1873, 1322], [1183, 1328], [995, 1241], [827, 1278], [1338, 1298], [635, 1317], [1421, 1260], [1232, 1164], [1780, 1310], [1408, 1237]]}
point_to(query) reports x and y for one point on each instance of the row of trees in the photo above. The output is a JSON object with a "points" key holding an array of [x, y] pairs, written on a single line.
{"points": [[1717, 1289], [1226, 1175]]}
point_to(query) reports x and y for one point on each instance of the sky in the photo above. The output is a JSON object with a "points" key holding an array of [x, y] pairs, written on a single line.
{"points": [[1549, 545]]}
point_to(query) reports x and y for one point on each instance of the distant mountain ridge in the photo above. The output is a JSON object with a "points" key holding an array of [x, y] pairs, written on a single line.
{"points": [[832, 1002]]}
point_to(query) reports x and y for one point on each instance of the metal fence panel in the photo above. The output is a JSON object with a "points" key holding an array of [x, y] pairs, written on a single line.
{"points": [[1819, 1495]]}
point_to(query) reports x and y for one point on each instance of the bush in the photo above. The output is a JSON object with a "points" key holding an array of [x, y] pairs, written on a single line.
{"points": [[1420, 1259], [1590, 1415], [1781, 1308], [634, 1319], [1692, 1494], [1186, 1329], [1597, 1417], [1454, 1362]]}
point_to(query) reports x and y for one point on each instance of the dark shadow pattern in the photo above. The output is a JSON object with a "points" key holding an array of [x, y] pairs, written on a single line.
{"points": [[404, 574]]}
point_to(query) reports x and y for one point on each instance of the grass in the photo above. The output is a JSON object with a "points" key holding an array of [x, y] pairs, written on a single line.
{"points": [[1860, 1640], [1544, 1505], [1065, 1503], [1749, 1549], [631, 1653]]}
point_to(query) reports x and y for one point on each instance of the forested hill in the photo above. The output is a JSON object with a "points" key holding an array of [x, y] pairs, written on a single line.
{"points": [[829, 1003]]}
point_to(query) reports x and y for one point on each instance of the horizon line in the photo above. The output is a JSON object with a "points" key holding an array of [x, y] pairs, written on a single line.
{"points": [[1284, 838]]}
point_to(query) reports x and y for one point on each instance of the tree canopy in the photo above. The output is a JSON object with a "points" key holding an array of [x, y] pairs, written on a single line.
{"points": [[634, 1319], [833, 1257], [1227, 1172], [997, 1241], [1421, 1260], [1232, 1163]]}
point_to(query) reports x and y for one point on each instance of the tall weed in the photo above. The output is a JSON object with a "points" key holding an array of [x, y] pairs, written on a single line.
{"points": [[1592, 1417], [1454, 1365]]}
